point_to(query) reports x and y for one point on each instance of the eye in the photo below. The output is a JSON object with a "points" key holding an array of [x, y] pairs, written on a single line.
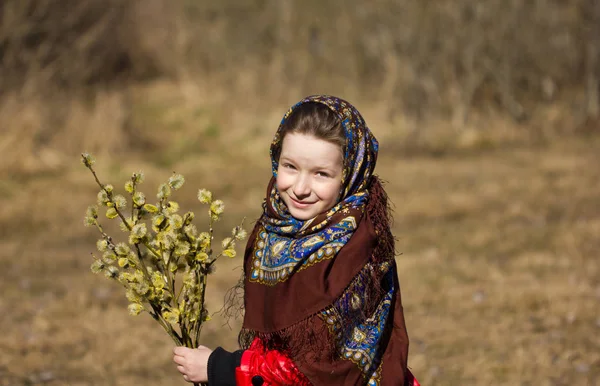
{"points": [[288, 166], [323, 174]]}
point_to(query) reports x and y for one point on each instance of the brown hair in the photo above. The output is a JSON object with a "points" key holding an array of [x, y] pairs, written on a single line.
{"points": [[315, 119]]}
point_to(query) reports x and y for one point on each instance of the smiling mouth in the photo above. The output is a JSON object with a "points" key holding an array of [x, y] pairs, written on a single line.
{"points": [[300, 204]]}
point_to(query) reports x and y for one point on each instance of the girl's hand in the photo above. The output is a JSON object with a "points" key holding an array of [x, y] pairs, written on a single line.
{"points": [[192, 363]]}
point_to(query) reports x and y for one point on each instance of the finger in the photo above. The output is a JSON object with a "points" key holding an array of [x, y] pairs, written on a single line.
{"points": [[186, 378], [180, 350], [179, 359], [182, 370]]}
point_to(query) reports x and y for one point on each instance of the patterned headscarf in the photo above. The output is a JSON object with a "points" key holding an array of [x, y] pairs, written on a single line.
{"points": [[360, 153], [290, 244], [324, 290]]}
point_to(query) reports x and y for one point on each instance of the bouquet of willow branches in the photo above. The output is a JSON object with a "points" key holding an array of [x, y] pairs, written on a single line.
{"points": [[164, 265]]}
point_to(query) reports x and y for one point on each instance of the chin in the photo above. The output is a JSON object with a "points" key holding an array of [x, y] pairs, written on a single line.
{"points": [[302, 216]]}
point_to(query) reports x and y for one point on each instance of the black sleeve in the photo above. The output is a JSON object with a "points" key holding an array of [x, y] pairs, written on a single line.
{"points": [[221, 367]]}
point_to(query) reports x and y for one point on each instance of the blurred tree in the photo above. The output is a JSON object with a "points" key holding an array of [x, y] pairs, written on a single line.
{"points": [[82, 43], [425, 59]]}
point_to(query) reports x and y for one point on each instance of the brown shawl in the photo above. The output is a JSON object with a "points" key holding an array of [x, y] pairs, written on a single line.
{"points": [[315, 314]]}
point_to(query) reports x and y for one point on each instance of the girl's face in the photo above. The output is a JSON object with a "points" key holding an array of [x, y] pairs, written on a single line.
{"points": [[309, 176]]}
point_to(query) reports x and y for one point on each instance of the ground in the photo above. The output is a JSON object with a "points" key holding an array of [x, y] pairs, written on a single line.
{"points": [[498, 262]]}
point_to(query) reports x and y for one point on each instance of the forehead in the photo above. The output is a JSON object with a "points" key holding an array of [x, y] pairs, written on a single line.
{"points": [[310, 149]]}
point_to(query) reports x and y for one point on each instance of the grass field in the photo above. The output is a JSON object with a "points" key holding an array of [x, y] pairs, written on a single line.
{"points": [[499, 258]]}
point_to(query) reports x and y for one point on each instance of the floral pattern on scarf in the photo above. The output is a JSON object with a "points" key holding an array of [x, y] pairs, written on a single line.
{"points": [[359, 343]]}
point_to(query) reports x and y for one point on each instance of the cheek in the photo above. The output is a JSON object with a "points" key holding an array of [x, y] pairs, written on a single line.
{"points": [[330, 193], [282, 182]]}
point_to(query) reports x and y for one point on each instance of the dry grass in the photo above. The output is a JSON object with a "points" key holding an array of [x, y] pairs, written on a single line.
{"points": [[498, 223], [499, 243], [67, 67]]}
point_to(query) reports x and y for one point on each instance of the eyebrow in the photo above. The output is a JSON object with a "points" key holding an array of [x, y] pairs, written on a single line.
{"points": [[317, 167]]}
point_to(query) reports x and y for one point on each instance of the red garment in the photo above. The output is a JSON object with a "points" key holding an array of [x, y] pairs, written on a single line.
{"points": [[273, 367], [411, 380], [276, 369]]}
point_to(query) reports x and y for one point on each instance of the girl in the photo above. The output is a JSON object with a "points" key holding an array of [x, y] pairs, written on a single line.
{"points": [[322, 299]]}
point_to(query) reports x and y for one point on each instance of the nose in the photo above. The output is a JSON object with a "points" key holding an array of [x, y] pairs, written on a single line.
{"points": [[302, 187]]}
